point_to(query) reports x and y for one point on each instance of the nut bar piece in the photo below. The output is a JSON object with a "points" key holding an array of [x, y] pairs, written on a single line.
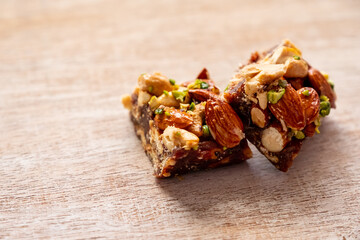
{"points": [[284, 100], [187, 127]]}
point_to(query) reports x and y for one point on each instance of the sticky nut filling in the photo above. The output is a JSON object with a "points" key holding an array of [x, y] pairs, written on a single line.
{"points": [[179, 117], [283, 89]]}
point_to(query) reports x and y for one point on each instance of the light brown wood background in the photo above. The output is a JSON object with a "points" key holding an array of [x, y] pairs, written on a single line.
{"points": [[72, 167]]}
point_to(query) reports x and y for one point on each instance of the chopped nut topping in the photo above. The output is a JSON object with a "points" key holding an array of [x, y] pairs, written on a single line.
{"points": [[154, 83], [176, 137], [126, 101]]}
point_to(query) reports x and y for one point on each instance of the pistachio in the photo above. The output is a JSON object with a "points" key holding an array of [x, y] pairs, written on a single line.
{"points": [[192, 106], [325, 106], [159, 111], [305, 93], [206, 132], [299, 135], [198, 84], [172, 81], [274, 96], [179, 95]]}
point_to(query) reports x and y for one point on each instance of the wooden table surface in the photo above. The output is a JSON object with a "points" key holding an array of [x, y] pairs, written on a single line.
{"points": [[72, 167]]}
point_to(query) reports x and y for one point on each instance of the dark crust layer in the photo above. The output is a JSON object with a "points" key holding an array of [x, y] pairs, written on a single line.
{"points": [[208, 155], [235, 96]]}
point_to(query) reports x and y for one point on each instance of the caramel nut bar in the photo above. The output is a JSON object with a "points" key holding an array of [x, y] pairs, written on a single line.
{"points": [[185, 127], [282, 100]]}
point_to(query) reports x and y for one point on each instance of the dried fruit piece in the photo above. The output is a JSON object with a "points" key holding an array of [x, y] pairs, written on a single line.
{"points": [[224, 124], [321, 85], [311, 103], [174, 117], [289, 109]]}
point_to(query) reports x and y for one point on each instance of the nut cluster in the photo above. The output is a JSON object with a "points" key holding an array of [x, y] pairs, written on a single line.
{"points": [[186, 113], [298, 96], [279, 96]]}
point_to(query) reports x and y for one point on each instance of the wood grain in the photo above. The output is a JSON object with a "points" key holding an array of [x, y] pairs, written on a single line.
{"points": [[71, 166]]}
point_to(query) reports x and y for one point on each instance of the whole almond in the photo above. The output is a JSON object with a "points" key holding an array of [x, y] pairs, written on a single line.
{"points": [[173, 117], [259, 116], [274, 138], [311, 103], [289, 109], [202, 94], [321, 85], [225, 125]]}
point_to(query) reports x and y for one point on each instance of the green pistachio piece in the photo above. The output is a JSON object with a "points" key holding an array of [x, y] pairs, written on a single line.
{"points": [[159, 111], [198, 84], [274, 96], [172, 81], [192, 106], [205, 130], [179, 95], [305, 93], [325, 106], [299, 135], [324, 98], [204, 85]]}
